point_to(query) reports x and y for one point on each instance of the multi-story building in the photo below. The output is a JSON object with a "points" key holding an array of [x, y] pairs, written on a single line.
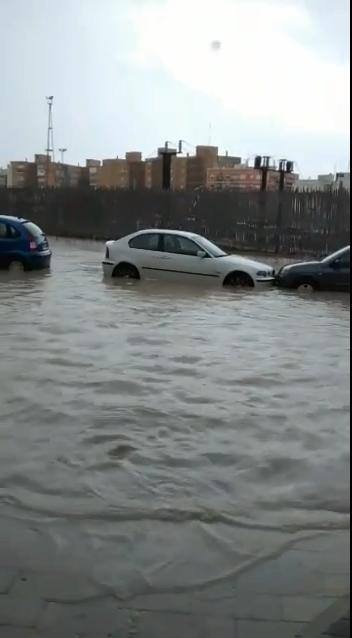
{"points": [[93, 170], [206, 169], [246, 178], [58, 175], [325, 182], [179, 167], [206, 157], [21, 174], [343, 180], [321, 183], [44, 173], [228, 161], [240, 177], [188, 172], [154, 173], [133, 156], [273, 182], [136, 170], [3, 177], [114, 174]]}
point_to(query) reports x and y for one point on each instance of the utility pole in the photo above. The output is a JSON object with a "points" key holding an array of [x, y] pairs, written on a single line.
{"points": [[50, 153], [62, 153]]}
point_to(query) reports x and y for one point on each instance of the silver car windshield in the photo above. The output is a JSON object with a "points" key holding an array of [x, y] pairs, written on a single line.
{"points": [[211, 248]]}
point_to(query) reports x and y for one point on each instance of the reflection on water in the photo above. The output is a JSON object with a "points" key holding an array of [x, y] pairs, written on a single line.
{"points": [[165, 435]]}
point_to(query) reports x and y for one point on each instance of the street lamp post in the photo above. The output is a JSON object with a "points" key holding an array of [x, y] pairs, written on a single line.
{"points": [[62, 152]]}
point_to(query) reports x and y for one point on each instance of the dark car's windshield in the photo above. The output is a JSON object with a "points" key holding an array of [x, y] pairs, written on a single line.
{"points": [[339, 253], [34, 230], [211, 248]]}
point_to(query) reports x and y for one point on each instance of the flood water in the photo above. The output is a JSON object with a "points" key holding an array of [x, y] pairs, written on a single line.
{"points": [[160, 437]]}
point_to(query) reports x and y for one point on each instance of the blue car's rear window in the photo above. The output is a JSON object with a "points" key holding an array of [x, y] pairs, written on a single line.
{"points": [[34, 230]]}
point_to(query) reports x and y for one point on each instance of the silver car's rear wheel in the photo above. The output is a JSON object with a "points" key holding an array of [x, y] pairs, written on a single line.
{"points": [[126, 271]]}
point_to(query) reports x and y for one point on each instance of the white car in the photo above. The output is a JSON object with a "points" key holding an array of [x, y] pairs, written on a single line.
{"points": [[179, 255]]}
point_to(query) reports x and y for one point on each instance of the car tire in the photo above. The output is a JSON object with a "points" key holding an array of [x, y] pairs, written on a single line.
{"points": [[16, 267], [126, 271], [239, 279], [306, 286]]}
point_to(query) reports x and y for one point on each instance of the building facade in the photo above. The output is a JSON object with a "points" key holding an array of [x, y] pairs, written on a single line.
{"points": [[206, 169], [343, 180], [93, 170], [114, 174], [206, 157], [246, 178], [3, 177], [44, 173], [179, 169], [21, 174], [321, 183], [228, 161]]}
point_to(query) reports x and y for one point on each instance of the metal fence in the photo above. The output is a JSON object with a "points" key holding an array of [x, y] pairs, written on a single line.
{"points": [[282, 223]]}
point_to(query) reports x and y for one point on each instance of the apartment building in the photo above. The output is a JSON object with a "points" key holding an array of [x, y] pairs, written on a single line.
{"points": [[179, 167], [321, 183], [206, 158], [136, 170], [204, 170], [228, 161], [154, 173], [114, 173], [325, 182], [21, 174], [44, 173], [93, 169], [3, 177], [246, 178], [273, 183], [343, 180]]}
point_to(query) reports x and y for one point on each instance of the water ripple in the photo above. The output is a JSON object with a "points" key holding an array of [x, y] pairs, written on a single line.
{"points": [[149, 408]]}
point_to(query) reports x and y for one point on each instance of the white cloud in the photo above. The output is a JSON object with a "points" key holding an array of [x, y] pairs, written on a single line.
{"points": [[260, 72]]}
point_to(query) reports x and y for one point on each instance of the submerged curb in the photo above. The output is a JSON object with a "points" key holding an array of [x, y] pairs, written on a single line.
{"points": [[334, 622]]}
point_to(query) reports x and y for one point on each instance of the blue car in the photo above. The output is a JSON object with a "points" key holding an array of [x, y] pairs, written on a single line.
{"points": [[23, 245]]}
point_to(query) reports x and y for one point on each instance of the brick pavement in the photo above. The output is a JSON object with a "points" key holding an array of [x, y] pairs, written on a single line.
{"points": [[277, 598]]}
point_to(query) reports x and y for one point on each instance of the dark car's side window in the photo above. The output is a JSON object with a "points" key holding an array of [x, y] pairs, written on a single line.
{"points": [[343, 261], [149, 241], [180, 245], [346, 260], [13, 233], [3, 230]]}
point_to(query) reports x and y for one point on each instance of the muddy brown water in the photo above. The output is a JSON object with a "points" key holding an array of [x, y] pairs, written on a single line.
{"points": [[160, 437]]}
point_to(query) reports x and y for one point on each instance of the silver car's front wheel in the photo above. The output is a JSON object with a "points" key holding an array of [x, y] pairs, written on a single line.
{"points": [[239, 279]]}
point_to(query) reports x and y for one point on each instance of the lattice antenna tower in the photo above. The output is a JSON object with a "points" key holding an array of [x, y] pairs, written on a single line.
{"points": [[50, 152]]}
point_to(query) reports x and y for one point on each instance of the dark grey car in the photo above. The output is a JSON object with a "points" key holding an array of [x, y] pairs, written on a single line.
{"points": [[332, 273]]}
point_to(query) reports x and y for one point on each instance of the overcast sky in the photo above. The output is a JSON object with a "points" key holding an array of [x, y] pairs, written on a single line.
{"points": [[130, 74]]}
